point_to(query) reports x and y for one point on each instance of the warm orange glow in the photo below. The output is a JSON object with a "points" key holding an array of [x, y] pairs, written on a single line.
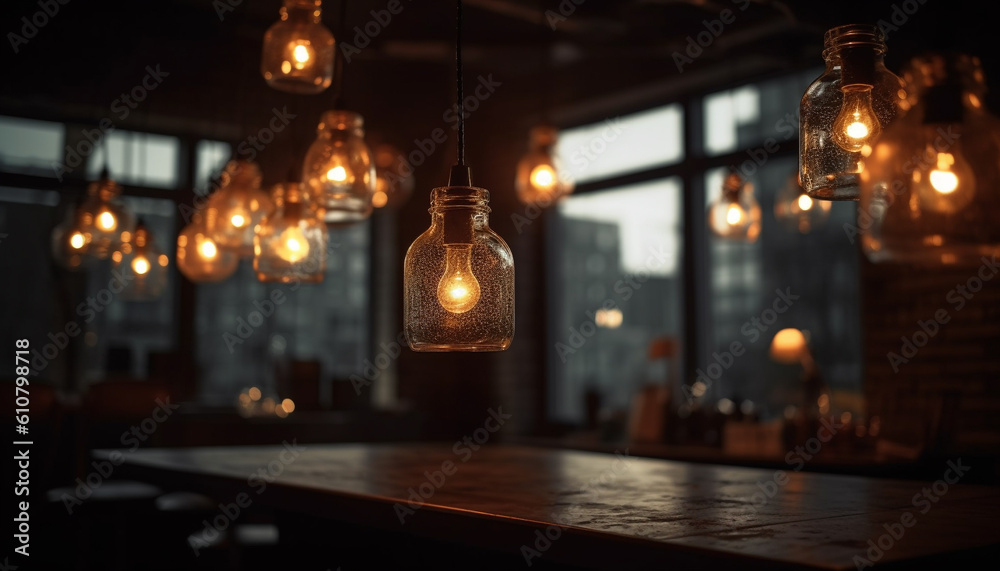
{"points": [[735, 215], [458, 290], [337, 174], [543, 177], [609, 318], [942, 178], [254, 393], [292, 245], [380, 199], [163, 260], [788, 346], [238, 220], [140, 265], [106, 221], [207, 249], [288, 405], [805, 203], [77, 240]]}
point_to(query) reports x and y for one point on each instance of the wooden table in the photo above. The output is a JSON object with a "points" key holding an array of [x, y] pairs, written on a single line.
{"points": [[599, 510]]}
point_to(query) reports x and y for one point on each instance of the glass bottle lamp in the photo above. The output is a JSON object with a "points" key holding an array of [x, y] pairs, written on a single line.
{"points": [[139, 257], [298, 55], [237, 207], [735, 215], [290, 243], [844, 111], [797, 210], [931, 186], [103, 217], [199, 258], [338, 168], [540, 177], [70, 244], [459, 276]]}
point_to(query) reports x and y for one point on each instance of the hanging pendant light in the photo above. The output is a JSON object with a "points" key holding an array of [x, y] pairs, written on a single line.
{"points": [[844, 111], [298, 54], [139, 256], [70, 244], [237, 207], [393, 178], [929, 188], [103, 217], [199, 258], [338, 168], [797, 210], [735, 215], [458, 276], [540, 176], [290, 243]]}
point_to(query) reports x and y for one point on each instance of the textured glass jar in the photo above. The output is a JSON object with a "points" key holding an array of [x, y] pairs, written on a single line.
{"points": [[459, 278], [540, 176], [103, 217], [844, 111], [298, 54], [931, 186], [199, 258], [735, 215], [797, 211], [338, 169], [290, 243], [393, 178], [139, 257], [237, 207]]}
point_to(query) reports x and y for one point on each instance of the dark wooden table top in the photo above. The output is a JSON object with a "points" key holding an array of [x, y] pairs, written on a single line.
{"points": [[606, 507]]}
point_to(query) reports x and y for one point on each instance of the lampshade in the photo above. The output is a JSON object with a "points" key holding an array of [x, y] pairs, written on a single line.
{"points": [[338, 169], [393, 178], [102, 217], [931, 186], [290, 243], [797, 211], [735, 215], [234, 210], [298, 54], [540, 176], [139, 257], [199, 258], [844, 110]]}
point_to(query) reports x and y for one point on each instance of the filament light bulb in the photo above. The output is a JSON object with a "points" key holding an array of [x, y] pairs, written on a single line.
{"points": [[337, 174], [140, 265], [301, 55], [856, 125], [292, 245], [735, 215], [543, 178], [805, 203], [238, 220], [77, 240], [458, 291], [945, 183], [106, 220], [208, 249]]}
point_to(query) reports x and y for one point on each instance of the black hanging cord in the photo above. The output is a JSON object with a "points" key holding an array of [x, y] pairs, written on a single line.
{"points": [[461, 175]]}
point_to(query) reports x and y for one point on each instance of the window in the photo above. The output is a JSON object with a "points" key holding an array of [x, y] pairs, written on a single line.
{"points": [[29, 146], [210, 158], [138, 159]]}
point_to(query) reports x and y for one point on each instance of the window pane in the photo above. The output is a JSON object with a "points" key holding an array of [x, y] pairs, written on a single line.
{"points": [[141, 159], [623, 144], [30, 146], [616, 289], [211, 156]]}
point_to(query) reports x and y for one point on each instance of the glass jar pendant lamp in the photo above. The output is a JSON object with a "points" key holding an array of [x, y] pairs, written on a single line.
{"points": [[139, 257], [797, 210], [237, 207], [459, 275], [844, 111], [298, 54], [102, 217], [338, 168], [735, 215], [931, 186], [393, 178], [199, 258], [540, 176], [290, 243]]}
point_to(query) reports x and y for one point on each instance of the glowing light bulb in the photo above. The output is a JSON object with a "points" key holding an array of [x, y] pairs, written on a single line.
{"points": [[945, 182], [337, 174], [106, 220], [856, 125], [238, 220], [380, 199], [207, 249], [77, 240], [301, 55], [140, 265], [458, 290], [805, 203], [735, 215], [543, 177], [292, 245]]}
